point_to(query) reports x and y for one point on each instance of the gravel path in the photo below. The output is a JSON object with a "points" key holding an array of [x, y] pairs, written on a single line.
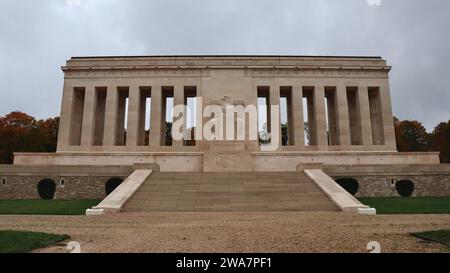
{"points": [[235, 232]]}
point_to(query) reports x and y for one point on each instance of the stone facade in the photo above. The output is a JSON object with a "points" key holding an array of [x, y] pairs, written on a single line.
{"points": [[21, 182], [385, 186], [93, 187], [376, 180], [75, 187], [72, 182], [353, 91]]}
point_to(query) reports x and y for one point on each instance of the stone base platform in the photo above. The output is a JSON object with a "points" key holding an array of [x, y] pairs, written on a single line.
{"points": [[85, 176], [223, 161]]}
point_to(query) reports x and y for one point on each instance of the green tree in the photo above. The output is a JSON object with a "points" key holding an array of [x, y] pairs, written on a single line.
{"points": [[284, 134], [307, 133], [168, 134]]}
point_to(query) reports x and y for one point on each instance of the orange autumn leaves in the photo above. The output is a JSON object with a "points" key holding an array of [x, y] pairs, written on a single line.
{"points": [[411, 136], [20, 132]]}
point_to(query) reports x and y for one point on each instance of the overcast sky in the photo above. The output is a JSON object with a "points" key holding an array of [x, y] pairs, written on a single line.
{"points": [[36, 37]]}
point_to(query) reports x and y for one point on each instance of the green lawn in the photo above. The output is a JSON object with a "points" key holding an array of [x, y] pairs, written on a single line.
{"points": [[24, 242], [413, 205], [46, 207], [439, 236]]}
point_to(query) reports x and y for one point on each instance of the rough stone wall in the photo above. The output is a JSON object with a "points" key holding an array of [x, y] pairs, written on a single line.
{"points": [[93, 187], [384, 186], [75, 187]]}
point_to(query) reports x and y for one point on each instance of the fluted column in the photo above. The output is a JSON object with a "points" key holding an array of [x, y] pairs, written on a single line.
{"points": [[111, 116], [298, 121], [134, 116], [178, 99], [343, 117], [156, 119], [321, 122], [364, 108], [87, 131]]}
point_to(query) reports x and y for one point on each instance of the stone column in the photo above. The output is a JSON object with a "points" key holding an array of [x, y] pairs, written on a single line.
{"points": [[274, 99], [178, 99], [87, 131], [388, 117], [120, 129], [134, 116], [142, 117], [321, 122], [343, 117], [66, 116], [364, 108], [251, 137], [156, 118], [111, 116], [298, 121], [199, 141]]}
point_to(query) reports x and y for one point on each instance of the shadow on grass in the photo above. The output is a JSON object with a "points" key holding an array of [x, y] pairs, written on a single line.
{"points": [[438, 236]]}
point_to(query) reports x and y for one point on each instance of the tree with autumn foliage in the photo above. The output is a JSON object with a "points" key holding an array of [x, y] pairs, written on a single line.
{"points": [[440, 141], [20, 132], [411, 136]]}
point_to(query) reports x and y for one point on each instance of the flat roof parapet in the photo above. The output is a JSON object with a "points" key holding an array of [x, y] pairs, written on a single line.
{"points": [[224, 56], [226, 62]]}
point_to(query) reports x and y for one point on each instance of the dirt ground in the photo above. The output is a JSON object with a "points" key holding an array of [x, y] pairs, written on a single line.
{"points": [[235, 232]]}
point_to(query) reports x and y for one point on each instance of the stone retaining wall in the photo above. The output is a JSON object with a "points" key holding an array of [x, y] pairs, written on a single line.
{"points": [[88, 182], [428, 180], [75, 187], [72, 182], [385, 186]]}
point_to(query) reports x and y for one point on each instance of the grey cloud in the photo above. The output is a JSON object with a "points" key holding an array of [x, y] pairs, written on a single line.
{"points": [[36, 37]]}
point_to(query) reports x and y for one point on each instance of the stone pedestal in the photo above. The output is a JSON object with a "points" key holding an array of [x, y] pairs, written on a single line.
{"points": [[227, 156]]}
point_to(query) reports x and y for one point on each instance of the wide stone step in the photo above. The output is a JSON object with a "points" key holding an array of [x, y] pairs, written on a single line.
{"points": [[231, 192]]}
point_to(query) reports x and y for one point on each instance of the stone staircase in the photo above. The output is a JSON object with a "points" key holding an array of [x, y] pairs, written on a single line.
{"points": [[229, 192]]}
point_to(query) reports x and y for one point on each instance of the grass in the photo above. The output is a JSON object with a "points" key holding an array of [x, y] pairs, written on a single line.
{"points": [[413, 205], [24, 242], [438, 236], [46, 207]]}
